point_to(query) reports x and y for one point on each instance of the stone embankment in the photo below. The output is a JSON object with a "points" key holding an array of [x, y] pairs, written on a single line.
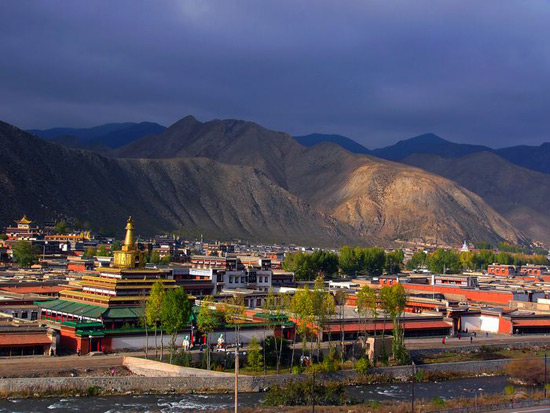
{"points": [[156, 377]]}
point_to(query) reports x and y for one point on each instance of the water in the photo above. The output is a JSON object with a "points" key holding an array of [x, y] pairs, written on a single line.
{"points": [[470, 387]]}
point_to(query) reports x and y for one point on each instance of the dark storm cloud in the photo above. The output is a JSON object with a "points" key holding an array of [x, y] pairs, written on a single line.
{"points": [[469, 71]]}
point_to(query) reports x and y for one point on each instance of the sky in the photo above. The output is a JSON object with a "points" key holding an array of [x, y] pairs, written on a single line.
{"points": [[375, 71]]}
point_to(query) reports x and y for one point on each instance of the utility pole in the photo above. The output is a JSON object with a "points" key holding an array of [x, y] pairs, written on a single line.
{"points": [[237, 377], [313, 388], [412, 387], [545, 375]]}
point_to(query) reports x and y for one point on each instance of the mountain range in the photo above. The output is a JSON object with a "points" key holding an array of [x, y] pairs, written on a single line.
{"points": [[515, 181], [231, 178], [99, 138]]}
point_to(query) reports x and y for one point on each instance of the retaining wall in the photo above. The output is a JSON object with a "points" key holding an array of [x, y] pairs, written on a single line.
{"points": [[194, 381]]}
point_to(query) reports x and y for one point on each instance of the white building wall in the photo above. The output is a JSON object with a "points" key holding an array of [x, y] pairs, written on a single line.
{"points": [[139, 342]]}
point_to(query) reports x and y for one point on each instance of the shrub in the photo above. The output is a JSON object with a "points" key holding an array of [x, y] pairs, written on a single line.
{"points": [[526, 371], [300, 394], [509, 390], [297, 370], [362, 365], [182, 358], [438, 401], [255, 359]]}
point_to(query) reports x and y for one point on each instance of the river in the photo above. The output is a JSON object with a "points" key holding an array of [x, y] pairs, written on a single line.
{"points": [[469, 387]]}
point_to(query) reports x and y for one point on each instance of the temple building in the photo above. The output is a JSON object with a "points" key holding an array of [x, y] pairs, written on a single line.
{"points": [[23, 231], [108, 303]]}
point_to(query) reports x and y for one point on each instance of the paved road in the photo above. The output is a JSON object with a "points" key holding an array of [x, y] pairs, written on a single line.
{"points": [[426, 343]]}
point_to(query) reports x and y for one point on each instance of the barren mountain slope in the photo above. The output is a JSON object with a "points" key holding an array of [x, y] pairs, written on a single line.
{"points": [[389, 200], [46, 181], [380, 199], [229, 141], [521, 195]]}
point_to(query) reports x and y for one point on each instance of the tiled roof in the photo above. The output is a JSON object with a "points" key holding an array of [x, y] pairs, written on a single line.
{"points": [[23, 339], [544, 322]]}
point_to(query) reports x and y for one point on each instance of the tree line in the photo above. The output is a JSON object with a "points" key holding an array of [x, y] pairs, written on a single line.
{"points": [[349, 260], [452, 262]]}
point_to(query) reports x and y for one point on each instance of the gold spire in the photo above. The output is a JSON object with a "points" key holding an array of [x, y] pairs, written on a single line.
{"points": [[129, 239], [129, 257]]}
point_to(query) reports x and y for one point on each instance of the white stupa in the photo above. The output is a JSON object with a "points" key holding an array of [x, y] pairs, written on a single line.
{"points": [[465, 247]]}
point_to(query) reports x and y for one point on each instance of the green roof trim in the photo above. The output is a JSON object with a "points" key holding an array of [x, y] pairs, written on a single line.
{"points": [[90, 310], [71, 307], [80, 326], [271, 316], [92, 333], [124, 312]]}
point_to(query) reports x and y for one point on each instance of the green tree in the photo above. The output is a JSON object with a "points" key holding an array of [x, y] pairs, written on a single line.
{"points": [[348, 260], [3, 237], [504, 258], [103, 252], [323, 309], [467, 260], [116, 246], [154, 257], [208, 320], [61, 227], [374, 260], [90, 252], [394, 261], [301, 265], [417, 261], [175, 314], [254, 359], [325, 263], [153, 310], [166, 260], [366, 305], [24, 253], [444, 261], [483, 259], [301, 307], [483, 245]]}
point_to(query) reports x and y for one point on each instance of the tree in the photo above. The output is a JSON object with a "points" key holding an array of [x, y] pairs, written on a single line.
{"points": [[153, 310], [444, 261], [417, 261], [467, 260], [116, 246], [154, 257], [366, 303], [348, 260], [255, 359], [208, 319], [323, 309], [166, 260], [483, 259], [341, 297], [300, 264], [394, 261], [504, 258], [393, 301], [24, 253], [175, 314], [309, 266], [301, 307], [61, 227], [375, 258], [103, 252], [90, 252]]}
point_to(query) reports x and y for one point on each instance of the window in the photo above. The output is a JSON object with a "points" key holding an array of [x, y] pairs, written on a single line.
{"points": [[230, 280]]}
